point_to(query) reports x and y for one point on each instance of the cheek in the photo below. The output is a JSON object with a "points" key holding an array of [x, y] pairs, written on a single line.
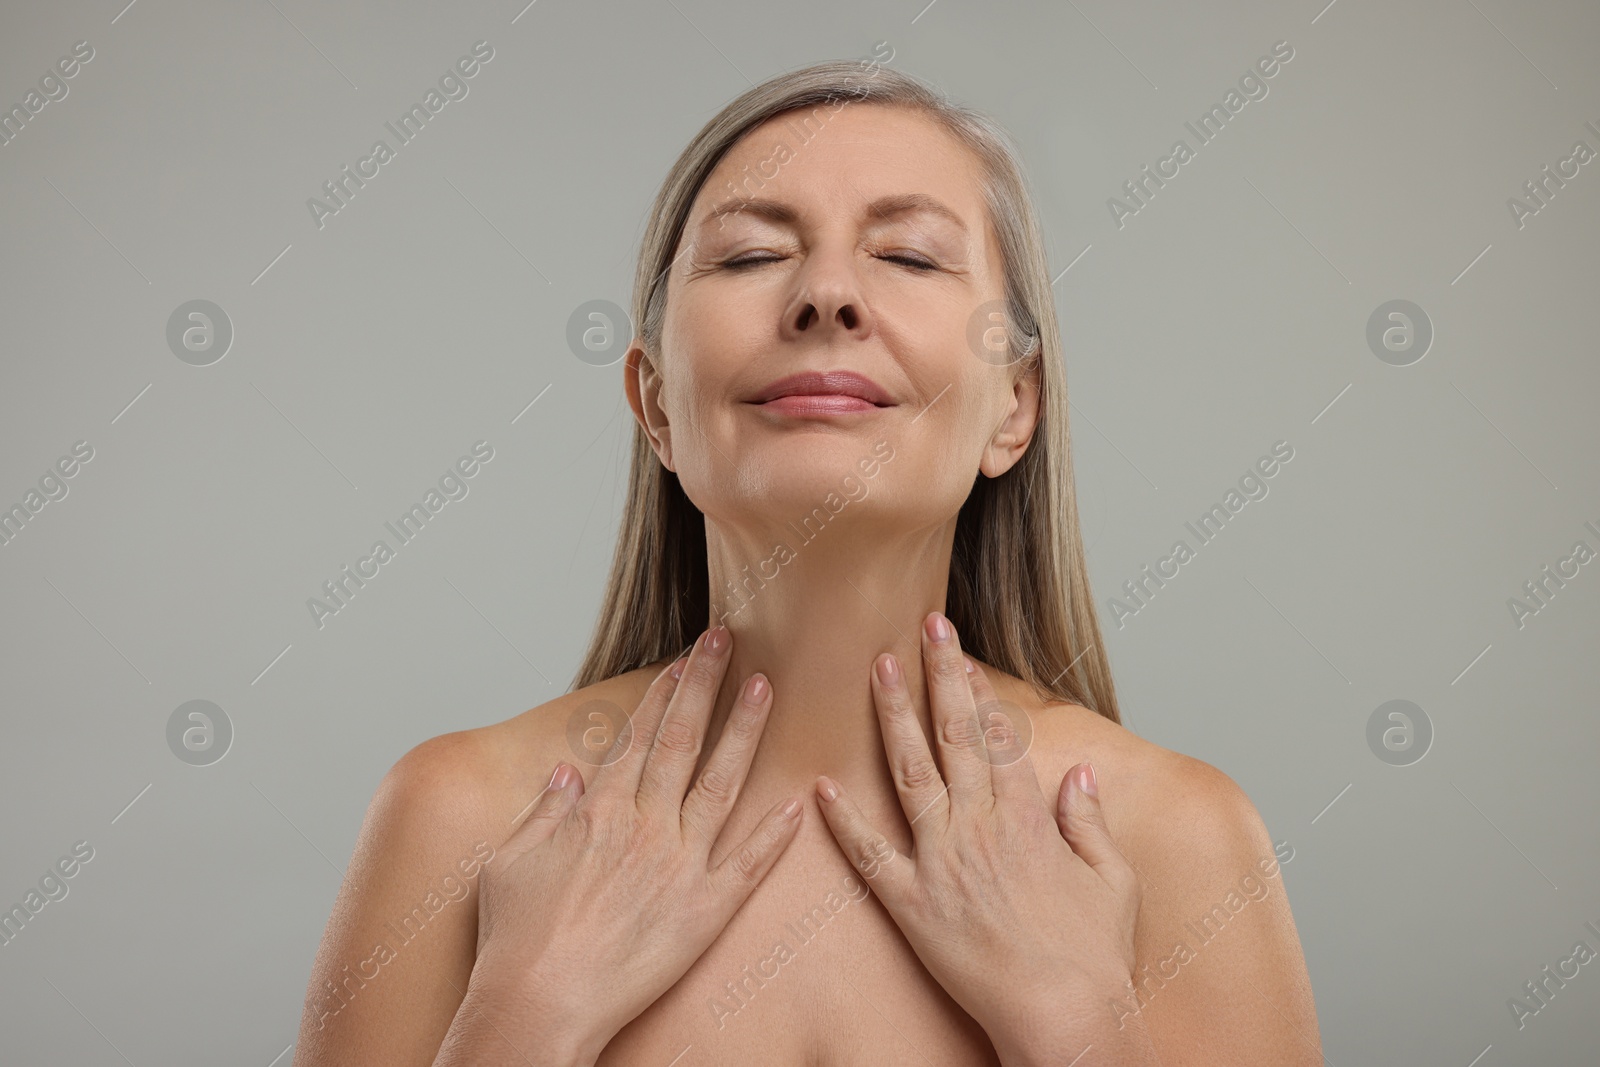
{"points": [[708, 345], [939, 452], [966, 411], [700, 400]]}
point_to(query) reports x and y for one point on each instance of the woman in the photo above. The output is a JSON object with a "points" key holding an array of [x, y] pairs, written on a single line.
{"points": [[852, 499]]}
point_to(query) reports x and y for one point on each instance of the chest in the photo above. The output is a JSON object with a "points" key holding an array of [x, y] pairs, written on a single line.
{"points": [[811, 972]]}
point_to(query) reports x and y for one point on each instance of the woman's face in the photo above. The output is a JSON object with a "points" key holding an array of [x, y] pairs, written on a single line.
{"points": [[865, 249]]}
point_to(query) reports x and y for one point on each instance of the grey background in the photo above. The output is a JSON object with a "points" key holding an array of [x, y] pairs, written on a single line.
{"points": [[1228, 314]]}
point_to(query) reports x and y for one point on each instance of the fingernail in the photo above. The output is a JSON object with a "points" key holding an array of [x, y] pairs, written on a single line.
{"points": [[888, 670], [969, 663], [553, 776], [1087, 782], [829, 790], [938, 627], [676, 669], [755, 689], [717, 640], [562, 778], [791, 809]]}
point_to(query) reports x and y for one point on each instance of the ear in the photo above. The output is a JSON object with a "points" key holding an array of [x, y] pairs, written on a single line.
{"points": [[642, 381], [1011, 437]]}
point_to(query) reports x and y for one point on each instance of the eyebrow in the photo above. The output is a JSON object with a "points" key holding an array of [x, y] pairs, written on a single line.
{"points": [[885, 207]]}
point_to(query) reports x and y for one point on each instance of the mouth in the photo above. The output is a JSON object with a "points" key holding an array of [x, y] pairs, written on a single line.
{"points": [[830, 393], [818, 404]]}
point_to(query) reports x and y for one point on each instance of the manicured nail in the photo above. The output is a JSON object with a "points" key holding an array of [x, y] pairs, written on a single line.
{"points": [[677, 668], [717, 640], [938, 627], [1087, 782], [829, 790], [888, 670], [553, 776], [791, 809], [755, 689]]}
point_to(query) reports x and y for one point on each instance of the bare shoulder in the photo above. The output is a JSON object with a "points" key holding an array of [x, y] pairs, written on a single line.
{"points": [[1220, 974], [1143, 785], [401, 941], [494, 772]]}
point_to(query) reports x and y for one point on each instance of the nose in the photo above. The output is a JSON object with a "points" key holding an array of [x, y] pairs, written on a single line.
{"points": [[828, 298]]}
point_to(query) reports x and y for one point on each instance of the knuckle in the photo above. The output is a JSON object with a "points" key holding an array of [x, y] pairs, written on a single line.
{"points": [[918, 772], [961, 731], [872, 856], [898, 710], [702, 681], [743, 725], [677, 736], [949, 667], [745, 862], [715, 786], [1000, 727]]}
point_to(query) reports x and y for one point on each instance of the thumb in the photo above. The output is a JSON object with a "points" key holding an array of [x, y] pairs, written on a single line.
{"points": [[548, 811], [1082, 821]]}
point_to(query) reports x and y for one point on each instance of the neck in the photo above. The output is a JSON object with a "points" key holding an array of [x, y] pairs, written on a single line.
{"points": [[812, 615]]}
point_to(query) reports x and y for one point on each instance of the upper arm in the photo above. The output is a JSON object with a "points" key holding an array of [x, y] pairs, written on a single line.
{"points": [[1220, 975], [402, 938]]}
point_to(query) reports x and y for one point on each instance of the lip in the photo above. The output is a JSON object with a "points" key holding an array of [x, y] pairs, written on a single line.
{"points": [[817, 404], [840, 390]]}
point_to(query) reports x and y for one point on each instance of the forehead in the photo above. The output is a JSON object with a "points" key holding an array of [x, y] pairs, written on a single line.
{"points": [[822, 160]]}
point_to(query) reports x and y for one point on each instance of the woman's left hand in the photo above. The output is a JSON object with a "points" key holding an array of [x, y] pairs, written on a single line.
{"points": [[1025, 915]]}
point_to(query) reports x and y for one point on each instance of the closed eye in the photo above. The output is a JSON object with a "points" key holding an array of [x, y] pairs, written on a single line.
{"points": [[750, 261], [920, 264]]}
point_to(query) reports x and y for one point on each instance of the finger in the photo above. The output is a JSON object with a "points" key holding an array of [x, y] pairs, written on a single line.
{"points": [[547, 812], [923, 795], [619, 774], [955, 715], [705, 810], [737, 875], [672, 753], [1007, 739], [889, 872], [1082, 822]]}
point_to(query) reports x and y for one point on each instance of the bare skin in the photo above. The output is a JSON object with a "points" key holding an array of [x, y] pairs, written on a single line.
{"points": [[829, 285], [1186, 828]]}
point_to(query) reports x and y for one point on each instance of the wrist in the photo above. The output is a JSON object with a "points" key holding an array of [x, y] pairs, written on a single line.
{"points": [[1098, 1014], [511, 1007]]}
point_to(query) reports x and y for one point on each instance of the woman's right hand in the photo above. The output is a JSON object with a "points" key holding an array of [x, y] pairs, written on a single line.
{"points": [[601, 900]]}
